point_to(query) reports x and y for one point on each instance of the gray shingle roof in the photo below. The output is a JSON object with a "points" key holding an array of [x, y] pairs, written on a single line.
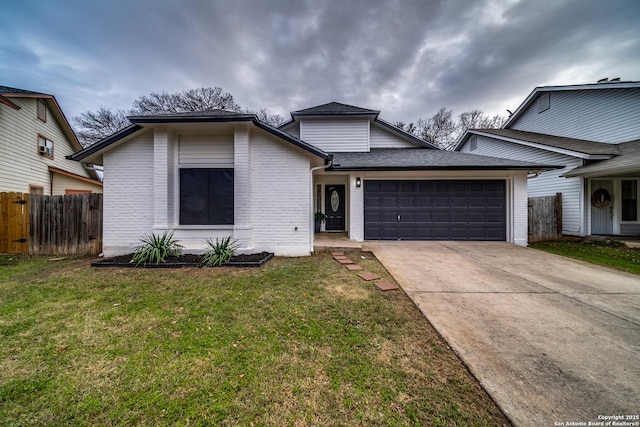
{"points": [[425, 159], [6, 90], [627, 161], [190, 115], [334, 108], [571, 144]]}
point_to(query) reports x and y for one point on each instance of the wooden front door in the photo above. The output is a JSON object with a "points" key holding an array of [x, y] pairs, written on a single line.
{"points": [[334, 207]]}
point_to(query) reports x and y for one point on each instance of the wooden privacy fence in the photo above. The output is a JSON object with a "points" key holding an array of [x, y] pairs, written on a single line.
{"points": [[545, 218], [66, 225], [51, 225], [14, 223]]}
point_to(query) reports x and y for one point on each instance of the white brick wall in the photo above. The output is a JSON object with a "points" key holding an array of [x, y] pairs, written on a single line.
{"points": [[280, 190], [356, 209], [128, 195]]}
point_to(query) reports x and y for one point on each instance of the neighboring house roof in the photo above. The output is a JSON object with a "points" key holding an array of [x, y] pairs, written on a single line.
{"points": [[571, 146], [212, 116], [425, 159], [6, 93], [533, 96], [627, 161]]}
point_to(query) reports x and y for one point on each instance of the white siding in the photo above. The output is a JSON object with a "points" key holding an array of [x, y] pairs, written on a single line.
{"points": [[548, 183], [607, 115], [62, 183], [213, 150], [293, 129], [280, 188], [380, 138], [128, 195], [21, 164], [337, 135]]}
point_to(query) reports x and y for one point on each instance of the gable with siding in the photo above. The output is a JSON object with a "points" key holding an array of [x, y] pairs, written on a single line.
{"points": [[22, 164], [605, 115]]}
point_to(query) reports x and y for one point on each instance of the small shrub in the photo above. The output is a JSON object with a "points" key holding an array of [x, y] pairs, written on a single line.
{"points": [[156, 248], [219, 251]]}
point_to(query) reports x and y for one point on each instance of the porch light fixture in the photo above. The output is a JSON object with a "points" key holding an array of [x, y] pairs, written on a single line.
{"points": [[358, 182]]}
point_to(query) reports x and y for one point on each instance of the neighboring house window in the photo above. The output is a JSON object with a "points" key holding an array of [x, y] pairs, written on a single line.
{"points": [[543, 102], [630, 200], [42, 110], [473, 142], [206, 196], [45, 146], [36, 190]]}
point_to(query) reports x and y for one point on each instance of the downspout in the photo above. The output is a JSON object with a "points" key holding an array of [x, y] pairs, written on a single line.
{"points": [[312, 219]]}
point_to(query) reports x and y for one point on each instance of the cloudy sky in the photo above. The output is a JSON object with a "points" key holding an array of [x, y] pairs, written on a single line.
{"points": [[405, 58]]}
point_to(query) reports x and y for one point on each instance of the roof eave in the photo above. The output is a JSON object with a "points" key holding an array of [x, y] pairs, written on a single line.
{"points": [[441, 168]]}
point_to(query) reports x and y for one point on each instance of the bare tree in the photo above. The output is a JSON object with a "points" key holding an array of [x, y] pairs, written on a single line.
{"points": [[264, 116], [443, 130], [92, 126], [439, 129], [201, 99]]}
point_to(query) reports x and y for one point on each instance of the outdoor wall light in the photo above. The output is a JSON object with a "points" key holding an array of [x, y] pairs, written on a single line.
{"points": [[358, 182]]}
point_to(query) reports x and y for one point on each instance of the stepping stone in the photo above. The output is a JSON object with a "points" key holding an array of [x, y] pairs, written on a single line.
{"points": [[337, 253], [339, 257], [368, 276], [345, 261], [386, 286], [353, 267]]}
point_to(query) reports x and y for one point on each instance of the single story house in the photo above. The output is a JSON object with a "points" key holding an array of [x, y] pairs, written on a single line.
{"points": [[593, 131], [216, 173]]}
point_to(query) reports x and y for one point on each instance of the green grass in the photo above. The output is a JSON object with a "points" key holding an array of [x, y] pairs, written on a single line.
{"points": [[299, 342], [609, 253]]}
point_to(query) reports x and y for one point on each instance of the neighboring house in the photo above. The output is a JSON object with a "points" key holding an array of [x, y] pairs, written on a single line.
{"points": [[593, 131], [35, 139], [218, 173]]}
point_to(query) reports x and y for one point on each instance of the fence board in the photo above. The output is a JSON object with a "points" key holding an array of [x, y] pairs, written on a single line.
{"points": [[66, 225], [545, 218]]}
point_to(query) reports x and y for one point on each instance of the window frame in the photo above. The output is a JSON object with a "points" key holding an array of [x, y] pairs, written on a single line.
{"points": [[226, 211], [41, 117], [45, 154], [39, 190]]}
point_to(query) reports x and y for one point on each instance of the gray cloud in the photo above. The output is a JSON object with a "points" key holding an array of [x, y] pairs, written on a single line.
{"points": [[407, 58]]}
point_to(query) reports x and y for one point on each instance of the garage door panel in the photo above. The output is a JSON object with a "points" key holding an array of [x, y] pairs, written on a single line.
{"points": [[435, 209]]}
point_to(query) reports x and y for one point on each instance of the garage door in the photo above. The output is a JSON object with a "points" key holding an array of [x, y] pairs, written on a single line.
{"points": [[435, 210]]}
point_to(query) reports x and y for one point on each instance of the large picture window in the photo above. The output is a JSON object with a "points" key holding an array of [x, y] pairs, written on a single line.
{"points": [[630, 200], [206, 196]]}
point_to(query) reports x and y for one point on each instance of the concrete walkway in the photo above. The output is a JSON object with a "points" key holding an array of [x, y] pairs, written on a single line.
{"points": [[551, 339]]}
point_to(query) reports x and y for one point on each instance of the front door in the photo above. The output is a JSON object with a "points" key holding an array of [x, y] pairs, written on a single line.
{"points": [[334, 207], [601, 207]]}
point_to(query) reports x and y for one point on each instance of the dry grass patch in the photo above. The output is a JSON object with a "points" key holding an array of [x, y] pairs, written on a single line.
{"points": [[299, 342]]}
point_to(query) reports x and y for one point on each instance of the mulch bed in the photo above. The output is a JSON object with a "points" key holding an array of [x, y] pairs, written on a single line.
{"points": [[186, 260]]}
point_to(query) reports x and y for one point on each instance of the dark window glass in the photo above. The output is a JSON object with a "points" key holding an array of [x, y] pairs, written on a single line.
{"points": [[206, 196], [630, 200]]}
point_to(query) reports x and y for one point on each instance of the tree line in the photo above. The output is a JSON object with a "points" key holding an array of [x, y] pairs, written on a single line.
{"points": [[442, 129]]}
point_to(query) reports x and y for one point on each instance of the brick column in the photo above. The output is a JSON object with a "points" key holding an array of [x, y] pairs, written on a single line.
{"points": [[242, 187]]}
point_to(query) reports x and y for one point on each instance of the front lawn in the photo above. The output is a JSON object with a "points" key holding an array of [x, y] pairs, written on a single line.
{"points": [[610, 253], [299, 342]]}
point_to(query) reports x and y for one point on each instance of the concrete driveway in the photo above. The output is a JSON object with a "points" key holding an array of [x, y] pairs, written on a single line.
{"points": [[551, 339]]}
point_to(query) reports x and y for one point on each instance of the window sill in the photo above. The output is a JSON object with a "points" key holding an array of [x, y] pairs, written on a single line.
{"points": [[204, 227]]}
